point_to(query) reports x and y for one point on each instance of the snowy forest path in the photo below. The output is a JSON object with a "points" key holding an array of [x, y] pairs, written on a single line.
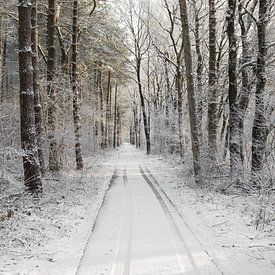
{"points": [[138, 231]]}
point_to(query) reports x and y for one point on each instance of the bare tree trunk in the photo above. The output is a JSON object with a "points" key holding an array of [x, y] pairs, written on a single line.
{"points": [[75, 89], [101, 110], [180, 107], [3, 66], [142, 101], [191, 92], [199, 72], [32, 174], [53, 149], [167, 93], [118, 126], [259, 132], [115, 119], [96, 109], [139, 128], [36, 87], [107, 112], [234, 136], [3, 69], [245, 59], [212, 86], [110, 117]]}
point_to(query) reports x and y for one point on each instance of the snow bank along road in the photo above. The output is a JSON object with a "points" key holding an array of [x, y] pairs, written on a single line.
{"points": [[138, 230]]}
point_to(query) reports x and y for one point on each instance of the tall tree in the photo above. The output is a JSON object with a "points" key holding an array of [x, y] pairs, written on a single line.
{"points": [[51, 90], [115, 119], [75, 88], [178, 49], [32, 175], [259, 132], [3, 46], [234, 137], [245, 23], [190, 91], [212, 85], [36, 88]]}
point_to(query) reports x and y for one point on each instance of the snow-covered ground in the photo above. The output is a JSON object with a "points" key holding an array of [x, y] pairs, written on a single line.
{"points": [[223, 224], [48, 236], [152, 222]]}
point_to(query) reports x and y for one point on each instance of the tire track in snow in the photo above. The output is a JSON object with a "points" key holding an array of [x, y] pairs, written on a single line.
{"points": [[123, 252], [178, 212], [170, 220]]}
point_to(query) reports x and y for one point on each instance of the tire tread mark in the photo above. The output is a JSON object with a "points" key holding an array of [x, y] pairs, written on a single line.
{"points": [[129, 223], [123, 254], [187, 225], [169, 216]]}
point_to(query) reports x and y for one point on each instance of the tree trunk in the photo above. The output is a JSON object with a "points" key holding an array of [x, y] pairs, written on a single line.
{"points": [[180, 107], [96, 108], [199, 72], [142, 101], [115, 120], [246, 83], [259, 131], [234, 137], [191, 92], [118, 127], [36, 88], [75, 90], [32, 174], [107, 112], [101, 110], [212, 86], [167, 94], [54, 164], [3, 65]]}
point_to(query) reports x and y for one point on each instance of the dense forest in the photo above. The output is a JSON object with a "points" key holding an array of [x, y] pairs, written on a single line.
{"points": [[192, 80]]}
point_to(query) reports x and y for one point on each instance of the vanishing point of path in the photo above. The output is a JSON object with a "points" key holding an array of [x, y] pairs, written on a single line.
{"points": [[138, 231]]}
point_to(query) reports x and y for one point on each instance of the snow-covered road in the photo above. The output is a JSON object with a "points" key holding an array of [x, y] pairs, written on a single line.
{"points": [[138, 231]]}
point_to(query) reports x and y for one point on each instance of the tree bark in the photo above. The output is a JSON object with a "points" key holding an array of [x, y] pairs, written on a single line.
{"points": [[102, 143], [212, 86], [234, 136], [247, 84], [191, 92], [115, 120], [199, 72], [259, 131], [3, 65], [75, 90], [32, 174], [107, 111], [54, 164], [36, 87], [142, 101], [180, 106]]}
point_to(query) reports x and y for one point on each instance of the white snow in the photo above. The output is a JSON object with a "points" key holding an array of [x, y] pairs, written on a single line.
{"points": [[138, 230]]}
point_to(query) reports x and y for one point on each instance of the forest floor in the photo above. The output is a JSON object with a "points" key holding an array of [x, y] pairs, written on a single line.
{"points": [[152, 221]]}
